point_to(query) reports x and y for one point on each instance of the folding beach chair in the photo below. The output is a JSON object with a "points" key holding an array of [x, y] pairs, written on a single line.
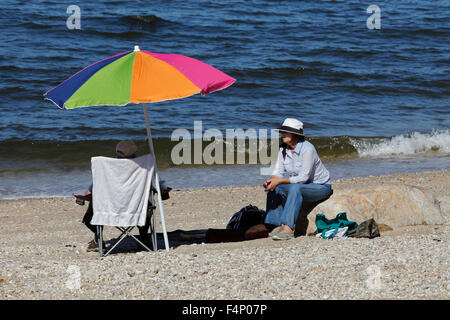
{"points": [[123, 197]]}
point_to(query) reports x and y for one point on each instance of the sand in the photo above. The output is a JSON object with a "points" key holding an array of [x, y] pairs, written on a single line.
{"points": [[44, 254]]}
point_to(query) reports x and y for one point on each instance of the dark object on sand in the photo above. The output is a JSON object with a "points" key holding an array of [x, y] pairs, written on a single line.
{"points": [[246, 217], [367, 229], [257, 231], [226, 235]]}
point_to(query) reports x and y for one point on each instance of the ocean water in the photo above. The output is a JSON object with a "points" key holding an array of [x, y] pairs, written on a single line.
{"points": [[373, 101]]}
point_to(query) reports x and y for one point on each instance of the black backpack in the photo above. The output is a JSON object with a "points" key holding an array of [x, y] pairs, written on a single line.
{"points": [[246, 217]]}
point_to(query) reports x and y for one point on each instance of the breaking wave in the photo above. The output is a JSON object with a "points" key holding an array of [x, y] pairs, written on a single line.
{"points": [[416, 143]]}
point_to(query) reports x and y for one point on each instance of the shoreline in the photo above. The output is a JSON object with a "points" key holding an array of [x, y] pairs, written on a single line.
{"points": [[252, 185], [44, 239], [62, 181]]}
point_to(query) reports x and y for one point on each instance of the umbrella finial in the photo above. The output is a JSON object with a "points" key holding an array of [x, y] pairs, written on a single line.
{"points": [[136, 48]]}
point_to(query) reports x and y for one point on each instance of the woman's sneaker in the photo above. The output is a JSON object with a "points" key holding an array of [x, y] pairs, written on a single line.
{"points": [[274, 232], [283, 235]]}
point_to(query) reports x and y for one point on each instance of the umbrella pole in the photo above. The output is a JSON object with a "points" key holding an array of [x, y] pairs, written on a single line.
{"points": [[160, 204]]}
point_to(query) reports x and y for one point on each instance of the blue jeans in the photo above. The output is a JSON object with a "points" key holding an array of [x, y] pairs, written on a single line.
{"points": [[284, 203]]}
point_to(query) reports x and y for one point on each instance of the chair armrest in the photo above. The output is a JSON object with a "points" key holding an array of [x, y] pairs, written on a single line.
{"points": [[80, 198]]}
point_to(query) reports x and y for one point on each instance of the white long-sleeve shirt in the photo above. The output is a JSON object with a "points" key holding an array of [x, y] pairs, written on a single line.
{"points": [[302, 165]]}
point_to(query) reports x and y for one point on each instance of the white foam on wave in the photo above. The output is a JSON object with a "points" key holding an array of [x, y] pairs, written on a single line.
{"points": [[416, 143]]}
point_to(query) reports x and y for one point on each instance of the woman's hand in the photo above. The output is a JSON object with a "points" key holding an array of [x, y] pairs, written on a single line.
{"points": [[273, 182], [266, 184]]}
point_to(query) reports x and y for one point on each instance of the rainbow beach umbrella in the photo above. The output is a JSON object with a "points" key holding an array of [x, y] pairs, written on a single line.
{"points": [[138, 77]]}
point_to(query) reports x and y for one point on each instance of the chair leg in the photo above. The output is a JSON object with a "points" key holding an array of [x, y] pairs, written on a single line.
{"points": [[154, 234], [138, 241], [100, 240], [121, 237], [126, 232]]}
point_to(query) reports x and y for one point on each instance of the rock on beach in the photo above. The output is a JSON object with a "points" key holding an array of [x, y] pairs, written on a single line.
{"points": [[395, 206]]}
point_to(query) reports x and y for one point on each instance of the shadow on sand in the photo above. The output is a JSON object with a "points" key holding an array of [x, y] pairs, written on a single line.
{"points": [[176, 238]]}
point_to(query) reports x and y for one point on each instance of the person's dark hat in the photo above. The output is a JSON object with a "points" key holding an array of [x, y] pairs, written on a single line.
{"points": [[126, 148], [292, 126]]}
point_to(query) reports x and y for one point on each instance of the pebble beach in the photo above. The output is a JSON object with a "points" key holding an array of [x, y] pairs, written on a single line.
{"points": [[44, 256]]}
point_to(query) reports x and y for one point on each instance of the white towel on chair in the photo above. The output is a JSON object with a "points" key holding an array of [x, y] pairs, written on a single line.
{"points": [[121, 189]]}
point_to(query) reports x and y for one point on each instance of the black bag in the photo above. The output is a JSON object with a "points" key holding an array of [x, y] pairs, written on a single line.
{"points": [[246, 217], [367, 229]]}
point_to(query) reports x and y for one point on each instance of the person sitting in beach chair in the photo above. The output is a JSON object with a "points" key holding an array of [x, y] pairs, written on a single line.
{"points": [[299, 182], [125, 149]]}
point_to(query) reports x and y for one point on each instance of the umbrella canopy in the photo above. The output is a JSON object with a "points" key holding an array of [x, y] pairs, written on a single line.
{"points": [[139, 77], [135, 77]]}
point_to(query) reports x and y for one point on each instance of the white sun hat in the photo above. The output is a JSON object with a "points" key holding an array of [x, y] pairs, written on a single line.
{"points": [[292, 125]]}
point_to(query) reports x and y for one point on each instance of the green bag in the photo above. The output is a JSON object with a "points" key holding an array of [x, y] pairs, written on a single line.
{"points": [[323, 224]]}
